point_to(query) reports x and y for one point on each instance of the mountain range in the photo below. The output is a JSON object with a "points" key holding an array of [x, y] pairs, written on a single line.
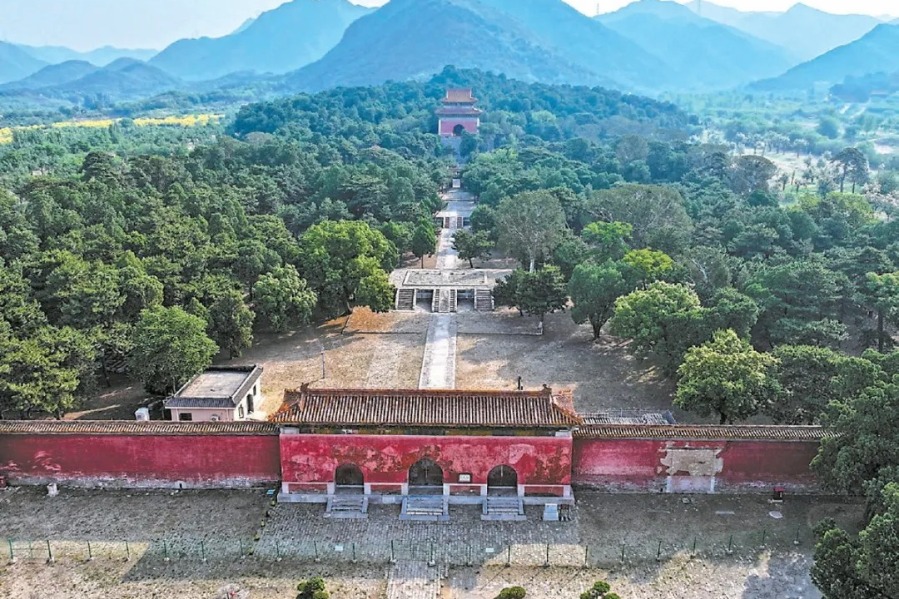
{"points": [[650, 47], [278, 41], [804, 31], [875, 52], [701, 53]]}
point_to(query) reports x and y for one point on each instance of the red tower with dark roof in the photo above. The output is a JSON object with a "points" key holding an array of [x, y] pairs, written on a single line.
{"points": [[458, 113]]}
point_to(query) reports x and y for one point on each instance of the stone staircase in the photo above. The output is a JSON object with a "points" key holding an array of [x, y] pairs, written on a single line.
{"points": [[405, 299], [445, 301], [503, 508], [347, 506], [413, 580], [425, 509], [483, 300]]}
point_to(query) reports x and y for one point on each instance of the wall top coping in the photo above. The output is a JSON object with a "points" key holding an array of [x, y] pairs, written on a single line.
{"points": [[675, 432], [133, 427]]}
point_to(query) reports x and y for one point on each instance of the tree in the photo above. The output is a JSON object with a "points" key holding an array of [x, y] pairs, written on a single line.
{"points": [[864, 566], [336, 256], [664, 320], [600, 590], [852, 165], [829, 127], [648, 265], [656, 214], [472, 245], [424, 241], [594, 289], [283, 298], [806, 375], [533, 293], [882, 294], [231, 323], [43, 372], [726, 376], [751, 174], [543, 291], [530, 225], [609, 240], [376, 292], [170, 346]]}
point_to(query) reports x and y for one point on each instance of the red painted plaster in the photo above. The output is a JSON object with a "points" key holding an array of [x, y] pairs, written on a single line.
{"points": [[132, 460], [765, 464], [387, 458], [448, 125]]}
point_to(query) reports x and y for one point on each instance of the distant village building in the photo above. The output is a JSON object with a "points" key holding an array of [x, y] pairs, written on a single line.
{"points": [[458, 114], [220, 393]]}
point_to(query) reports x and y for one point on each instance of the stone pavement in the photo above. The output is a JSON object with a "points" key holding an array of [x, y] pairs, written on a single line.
{"points": [[412, 580], [438, 369]]}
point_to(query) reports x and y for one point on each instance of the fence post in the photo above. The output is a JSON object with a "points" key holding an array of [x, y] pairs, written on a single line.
{"points": [[127, 552], [353, 546], [586, 556], [277, 550], [796, 540], [509, 554], [693, 552], [431, 561], [764, 535], [49, 553], [315, 548], [659, 552], [240, 547], [12, 555], [392, 553], [165, 551], [90, 553], [622, 554], [546, 562], [730, 545], [468, 561], [30, 550], [202, 550]]}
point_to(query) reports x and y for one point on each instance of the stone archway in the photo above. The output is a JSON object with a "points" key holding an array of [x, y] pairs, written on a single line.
{"points": [[458, 130], [349, 478], [425, 473], [502, 479]]}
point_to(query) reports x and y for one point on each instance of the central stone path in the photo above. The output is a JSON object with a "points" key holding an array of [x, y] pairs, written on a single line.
{"points": [[438, 368], [412, 580]]}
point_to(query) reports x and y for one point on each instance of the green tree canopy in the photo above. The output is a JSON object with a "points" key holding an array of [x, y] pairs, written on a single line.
{"points": [[594, 289], [726, 376], [283, 298], [530, 225], [170, 346]]}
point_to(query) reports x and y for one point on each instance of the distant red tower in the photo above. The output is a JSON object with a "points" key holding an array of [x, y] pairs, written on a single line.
{"points": [[458, 113]]}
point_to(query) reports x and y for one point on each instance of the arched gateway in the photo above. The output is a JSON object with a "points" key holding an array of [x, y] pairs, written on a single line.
{"points": [[425, 473], [502, 479]]}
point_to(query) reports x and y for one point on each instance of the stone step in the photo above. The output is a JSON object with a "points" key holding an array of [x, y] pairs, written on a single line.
{"points": [[503, 508], [405, 299], [429, 509], [347, 506], [483, 300]]}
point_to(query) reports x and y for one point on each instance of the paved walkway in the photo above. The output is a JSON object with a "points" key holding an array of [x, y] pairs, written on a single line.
{"points": [[438, 368], [412, 580]]}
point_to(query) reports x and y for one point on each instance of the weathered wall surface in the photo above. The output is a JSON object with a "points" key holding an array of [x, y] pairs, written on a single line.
{"points": [[387, 458], [221, 461], [693, 466], [448, 125]]}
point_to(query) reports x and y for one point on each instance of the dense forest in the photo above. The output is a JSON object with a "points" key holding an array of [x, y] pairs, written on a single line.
{"points": [[763, 294]]}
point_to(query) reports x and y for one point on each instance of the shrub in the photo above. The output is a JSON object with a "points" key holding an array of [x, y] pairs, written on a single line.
{"points": [[314, 588], [512, 593]]}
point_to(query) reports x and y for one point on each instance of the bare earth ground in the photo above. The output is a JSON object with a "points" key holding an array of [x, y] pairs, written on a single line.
{"points": [[210, 540]]}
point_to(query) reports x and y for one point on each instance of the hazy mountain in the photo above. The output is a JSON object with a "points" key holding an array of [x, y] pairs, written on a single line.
{"points": [[281, 40], [584, 41], [54, 74], [699, 52], [805, 31], [122, 79], [875, 52], [400, 41], [15, 63], [99, 57]]}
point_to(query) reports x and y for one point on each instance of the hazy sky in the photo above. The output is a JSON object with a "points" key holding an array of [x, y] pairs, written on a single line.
{"points": [[87, 24]]}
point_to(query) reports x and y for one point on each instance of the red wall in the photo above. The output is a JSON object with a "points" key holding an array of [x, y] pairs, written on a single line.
{"points": [[387, 459], [637, 465], [448, 125], [141, 460]]}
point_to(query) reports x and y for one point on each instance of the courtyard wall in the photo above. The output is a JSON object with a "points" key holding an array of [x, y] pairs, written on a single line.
{"points": [[140, 454]]}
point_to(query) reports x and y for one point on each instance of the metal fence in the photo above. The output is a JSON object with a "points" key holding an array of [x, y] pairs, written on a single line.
{"points": [[269, 548]]}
